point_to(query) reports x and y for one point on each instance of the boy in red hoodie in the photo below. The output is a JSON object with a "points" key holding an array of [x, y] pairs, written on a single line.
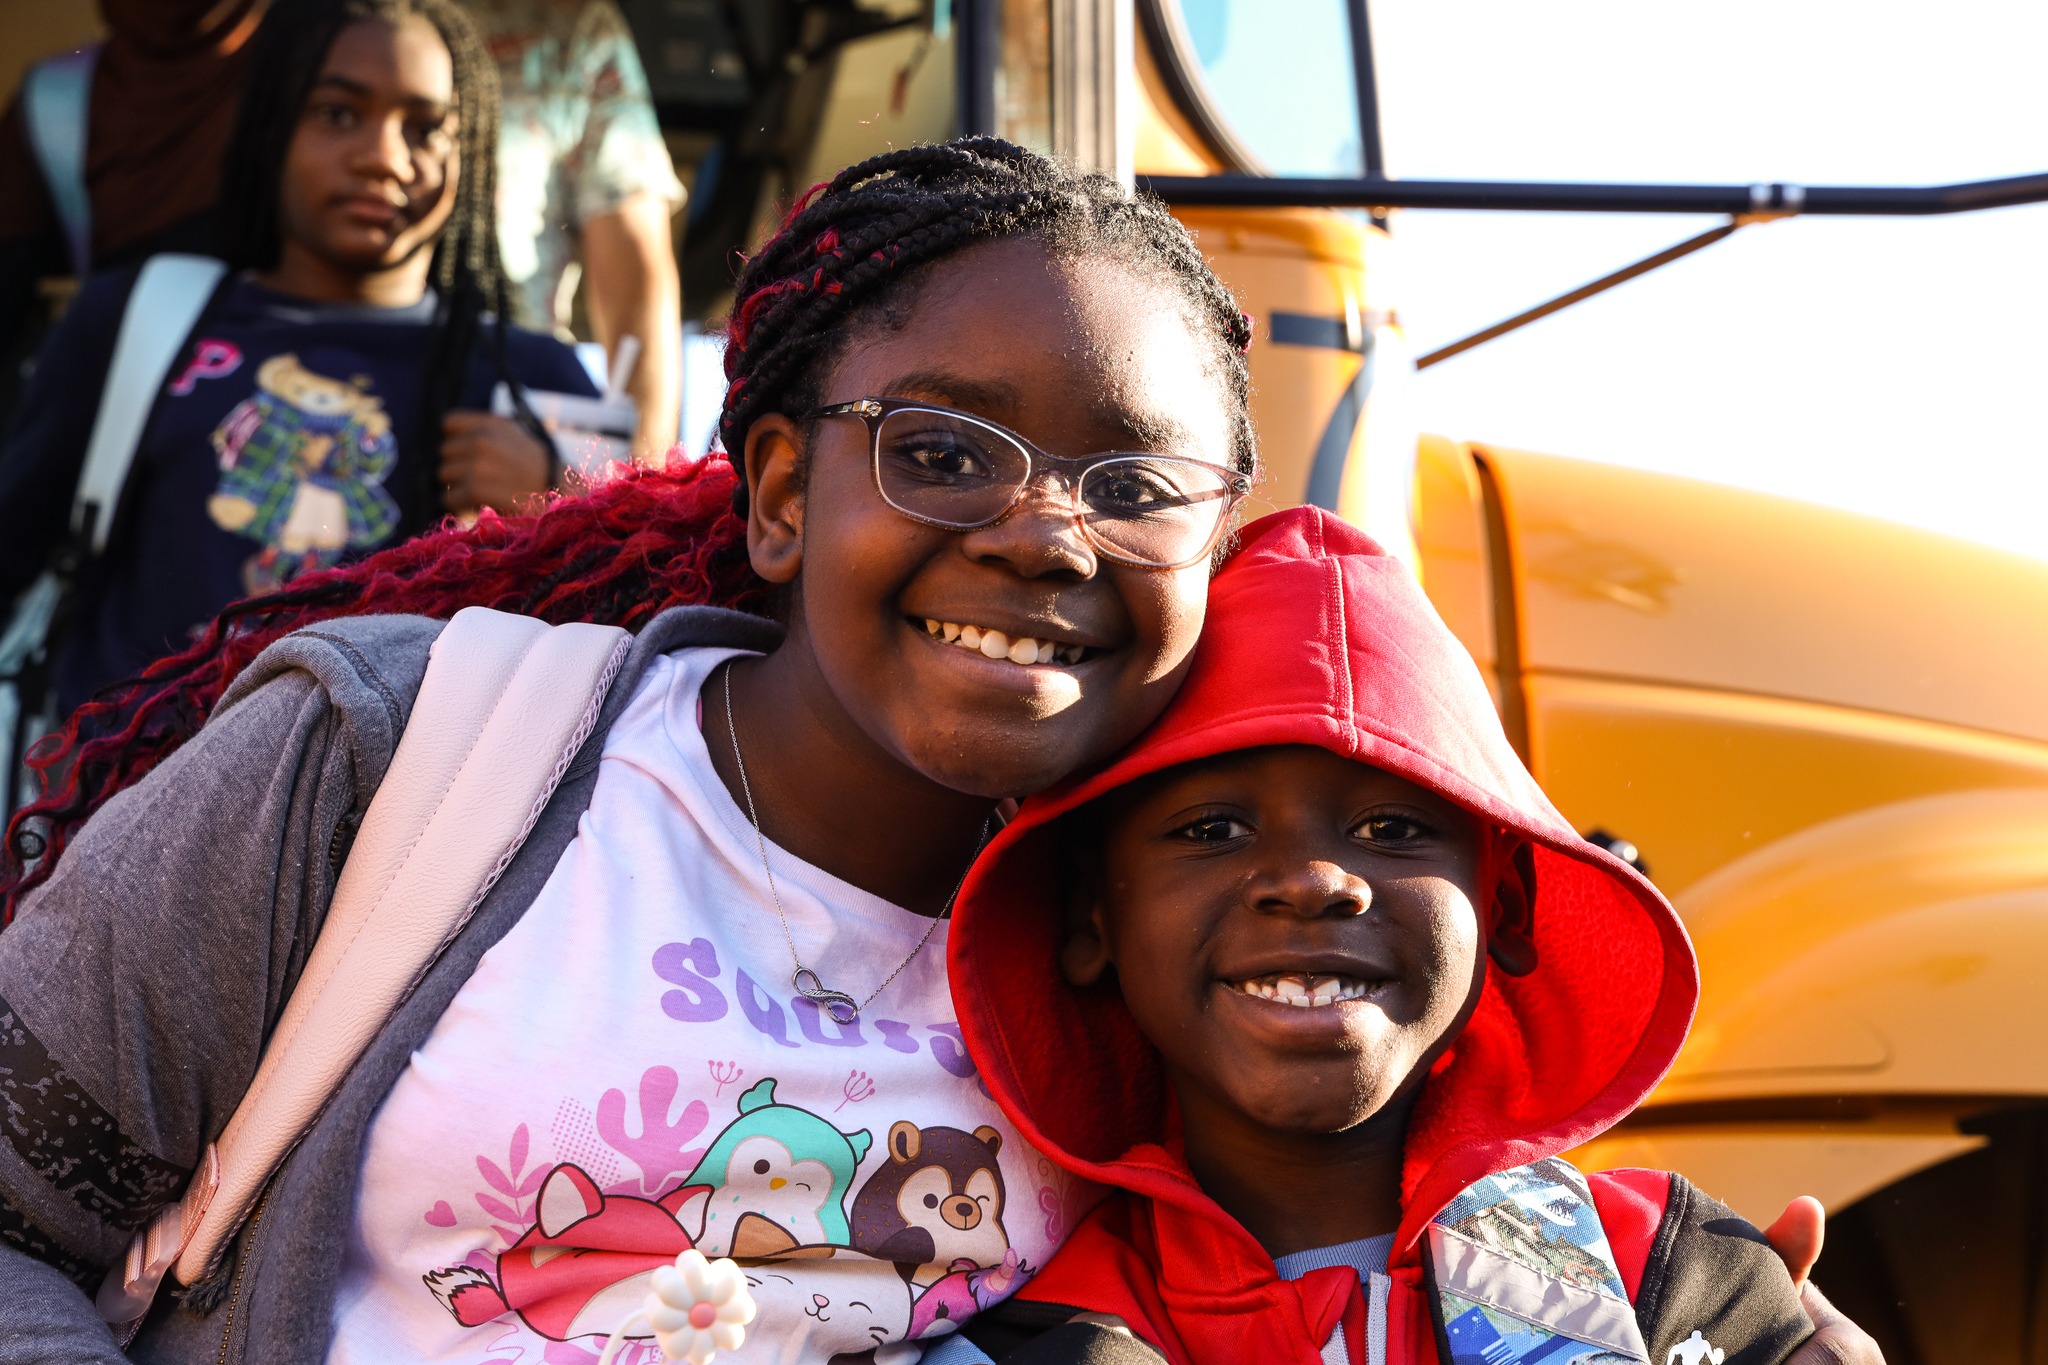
{"points": [[1321, 984]]}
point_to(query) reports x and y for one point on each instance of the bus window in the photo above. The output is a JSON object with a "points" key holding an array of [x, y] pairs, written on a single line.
{"points": [[1279, 73]]}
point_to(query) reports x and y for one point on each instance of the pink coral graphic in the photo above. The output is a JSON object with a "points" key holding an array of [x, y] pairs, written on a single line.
{"points": [[514, 1185], [859, 1086], [658, 1150], [725, 1073]]}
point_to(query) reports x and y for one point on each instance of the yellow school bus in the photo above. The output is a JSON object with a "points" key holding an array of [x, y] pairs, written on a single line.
{"points": [[1825, 736]]}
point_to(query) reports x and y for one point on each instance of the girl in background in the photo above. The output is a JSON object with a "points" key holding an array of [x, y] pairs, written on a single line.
{"points": [[330, 401]]}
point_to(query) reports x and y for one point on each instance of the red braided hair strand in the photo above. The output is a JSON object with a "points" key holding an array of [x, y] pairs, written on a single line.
{"points": [[633, 548]]}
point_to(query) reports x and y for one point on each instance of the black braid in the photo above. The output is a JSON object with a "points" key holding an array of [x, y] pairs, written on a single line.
{"points": [[850, 244], [472, 293]]}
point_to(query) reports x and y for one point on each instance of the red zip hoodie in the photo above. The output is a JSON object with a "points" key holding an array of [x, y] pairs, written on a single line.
{"points": [[1316, 636]]}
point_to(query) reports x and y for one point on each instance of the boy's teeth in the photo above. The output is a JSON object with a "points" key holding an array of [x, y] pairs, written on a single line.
{"points": [[1305, 992], [994, 644]]}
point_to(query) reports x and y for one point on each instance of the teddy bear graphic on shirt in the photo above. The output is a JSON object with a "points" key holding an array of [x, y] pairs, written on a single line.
{"points": [[303, 462]]}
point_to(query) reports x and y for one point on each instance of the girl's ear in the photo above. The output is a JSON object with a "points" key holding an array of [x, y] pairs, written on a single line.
{"points": [[1085, 957], [773, 467], [1512, 943]]}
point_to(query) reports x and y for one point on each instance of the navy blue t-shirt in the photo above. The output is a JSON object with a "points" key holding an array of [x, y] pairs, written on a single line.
{"points": [[286, 439]]}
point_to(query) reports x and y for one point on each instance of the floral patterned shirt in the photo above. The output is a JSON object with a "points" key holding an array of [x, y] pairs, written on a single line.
{"points": [[577, 137]]}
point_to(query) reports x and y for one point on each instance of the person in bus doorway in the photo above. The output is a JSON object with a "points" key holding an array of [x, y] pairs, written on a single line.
{"points": [[330, 399], [586, 190]]}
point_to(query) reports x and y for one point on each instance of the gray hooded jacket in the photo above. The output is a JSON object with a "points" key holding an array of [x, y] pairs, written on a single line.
{"points": [[138, 986]]}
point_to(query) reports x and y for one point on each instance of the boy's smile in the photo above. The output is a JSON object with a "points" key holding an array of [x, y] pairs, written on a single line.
{"points": [[1300, 935]]}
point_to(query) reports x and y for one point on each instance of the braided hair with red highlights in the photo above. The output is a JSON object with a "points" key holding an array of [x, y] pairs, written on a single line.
{"points": [[653, 540], [848, 246]]}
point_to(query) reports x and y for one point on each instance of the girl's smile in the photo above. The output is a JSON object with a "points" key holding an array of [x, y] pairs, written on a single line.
{"points": [[1014, 645], [991, 661]]}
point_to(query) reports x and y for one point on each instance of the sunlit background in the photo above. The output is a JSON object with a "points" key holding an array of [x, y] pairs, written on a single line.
{"points": [[1897, 367]]}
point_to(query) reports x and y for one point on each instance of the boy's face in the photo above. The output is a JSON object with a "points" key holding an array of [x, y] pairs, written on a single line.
{"points": [[1300, 935]]}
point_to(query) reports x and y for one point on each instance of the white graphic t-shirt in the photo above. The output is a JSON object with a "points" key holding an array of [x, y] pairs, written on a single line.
{"points": [[628, 1074]]}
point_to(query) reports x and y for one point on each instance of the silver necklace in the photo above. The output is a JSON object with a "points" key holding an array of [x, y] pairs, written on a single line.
{"points": [[804, 981]]}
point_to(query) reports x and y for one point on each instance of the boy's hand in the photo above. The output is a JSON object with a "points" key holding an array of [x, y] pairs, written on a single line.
{"points": [[489, 461], [1797, 1237]]}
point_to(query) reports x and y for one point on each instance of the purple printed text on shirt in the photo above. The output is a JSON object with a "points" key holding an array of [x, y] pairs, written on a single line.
{"points": [[693, 968]]}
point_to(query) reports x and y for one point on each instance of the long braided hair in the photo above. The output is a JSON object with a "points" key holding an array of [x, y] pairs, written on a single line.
{"points": [[285, 59], [655, 539]]}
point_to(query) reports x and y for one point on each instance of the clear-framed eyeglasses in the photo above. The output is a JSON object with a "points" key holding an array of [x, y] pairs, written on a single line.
{"points": [[948, 468]]}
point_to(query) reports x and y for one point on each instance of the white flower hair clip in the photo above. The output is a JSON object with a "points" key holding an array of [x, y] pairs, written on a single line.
{"points": [[696, 1307]]}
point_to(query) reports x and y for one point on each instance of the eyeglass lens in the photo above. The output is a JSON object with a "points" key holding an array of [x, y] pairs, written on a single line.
{"points": [[944, 468]]}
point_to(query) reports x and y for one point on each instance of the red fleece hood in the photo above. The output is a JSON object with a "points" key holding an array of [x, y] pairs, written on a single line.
{"points": [[1317, 636]]}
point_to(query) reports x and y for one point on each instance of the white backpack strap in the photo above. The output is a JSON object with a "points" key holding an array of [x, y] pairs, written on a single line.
{"points": [[506, 703], [163, 308], [56, 107]]}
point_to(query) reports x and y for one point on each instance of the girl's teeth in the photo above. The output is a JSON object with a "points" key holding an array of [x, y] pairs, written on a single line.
{"points": [[994, 644]]}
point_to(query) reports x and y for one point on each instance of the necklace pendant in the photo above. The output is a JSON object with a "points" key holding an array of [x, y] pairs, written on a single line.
{"points": [[838, 1004]]}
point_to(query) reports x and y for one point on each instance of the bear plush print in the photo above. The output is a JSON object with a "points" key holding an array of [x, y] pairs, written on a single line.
{"points": [[303, 463], [937, 1203]]}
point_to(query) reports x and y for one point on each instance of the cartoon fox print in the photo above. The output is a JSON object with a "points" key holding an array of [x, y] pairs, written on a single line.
{"points": [[583, 1266]]}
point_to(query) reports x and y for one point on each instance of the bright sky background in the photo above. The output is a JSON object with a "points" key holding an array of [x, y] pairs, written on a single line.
{"points": [[1896, 367]]}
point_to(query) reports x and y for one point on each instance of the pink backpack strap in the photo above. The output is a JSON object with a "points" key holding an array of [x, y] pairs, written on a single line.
{"points": [[506, 703]]}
